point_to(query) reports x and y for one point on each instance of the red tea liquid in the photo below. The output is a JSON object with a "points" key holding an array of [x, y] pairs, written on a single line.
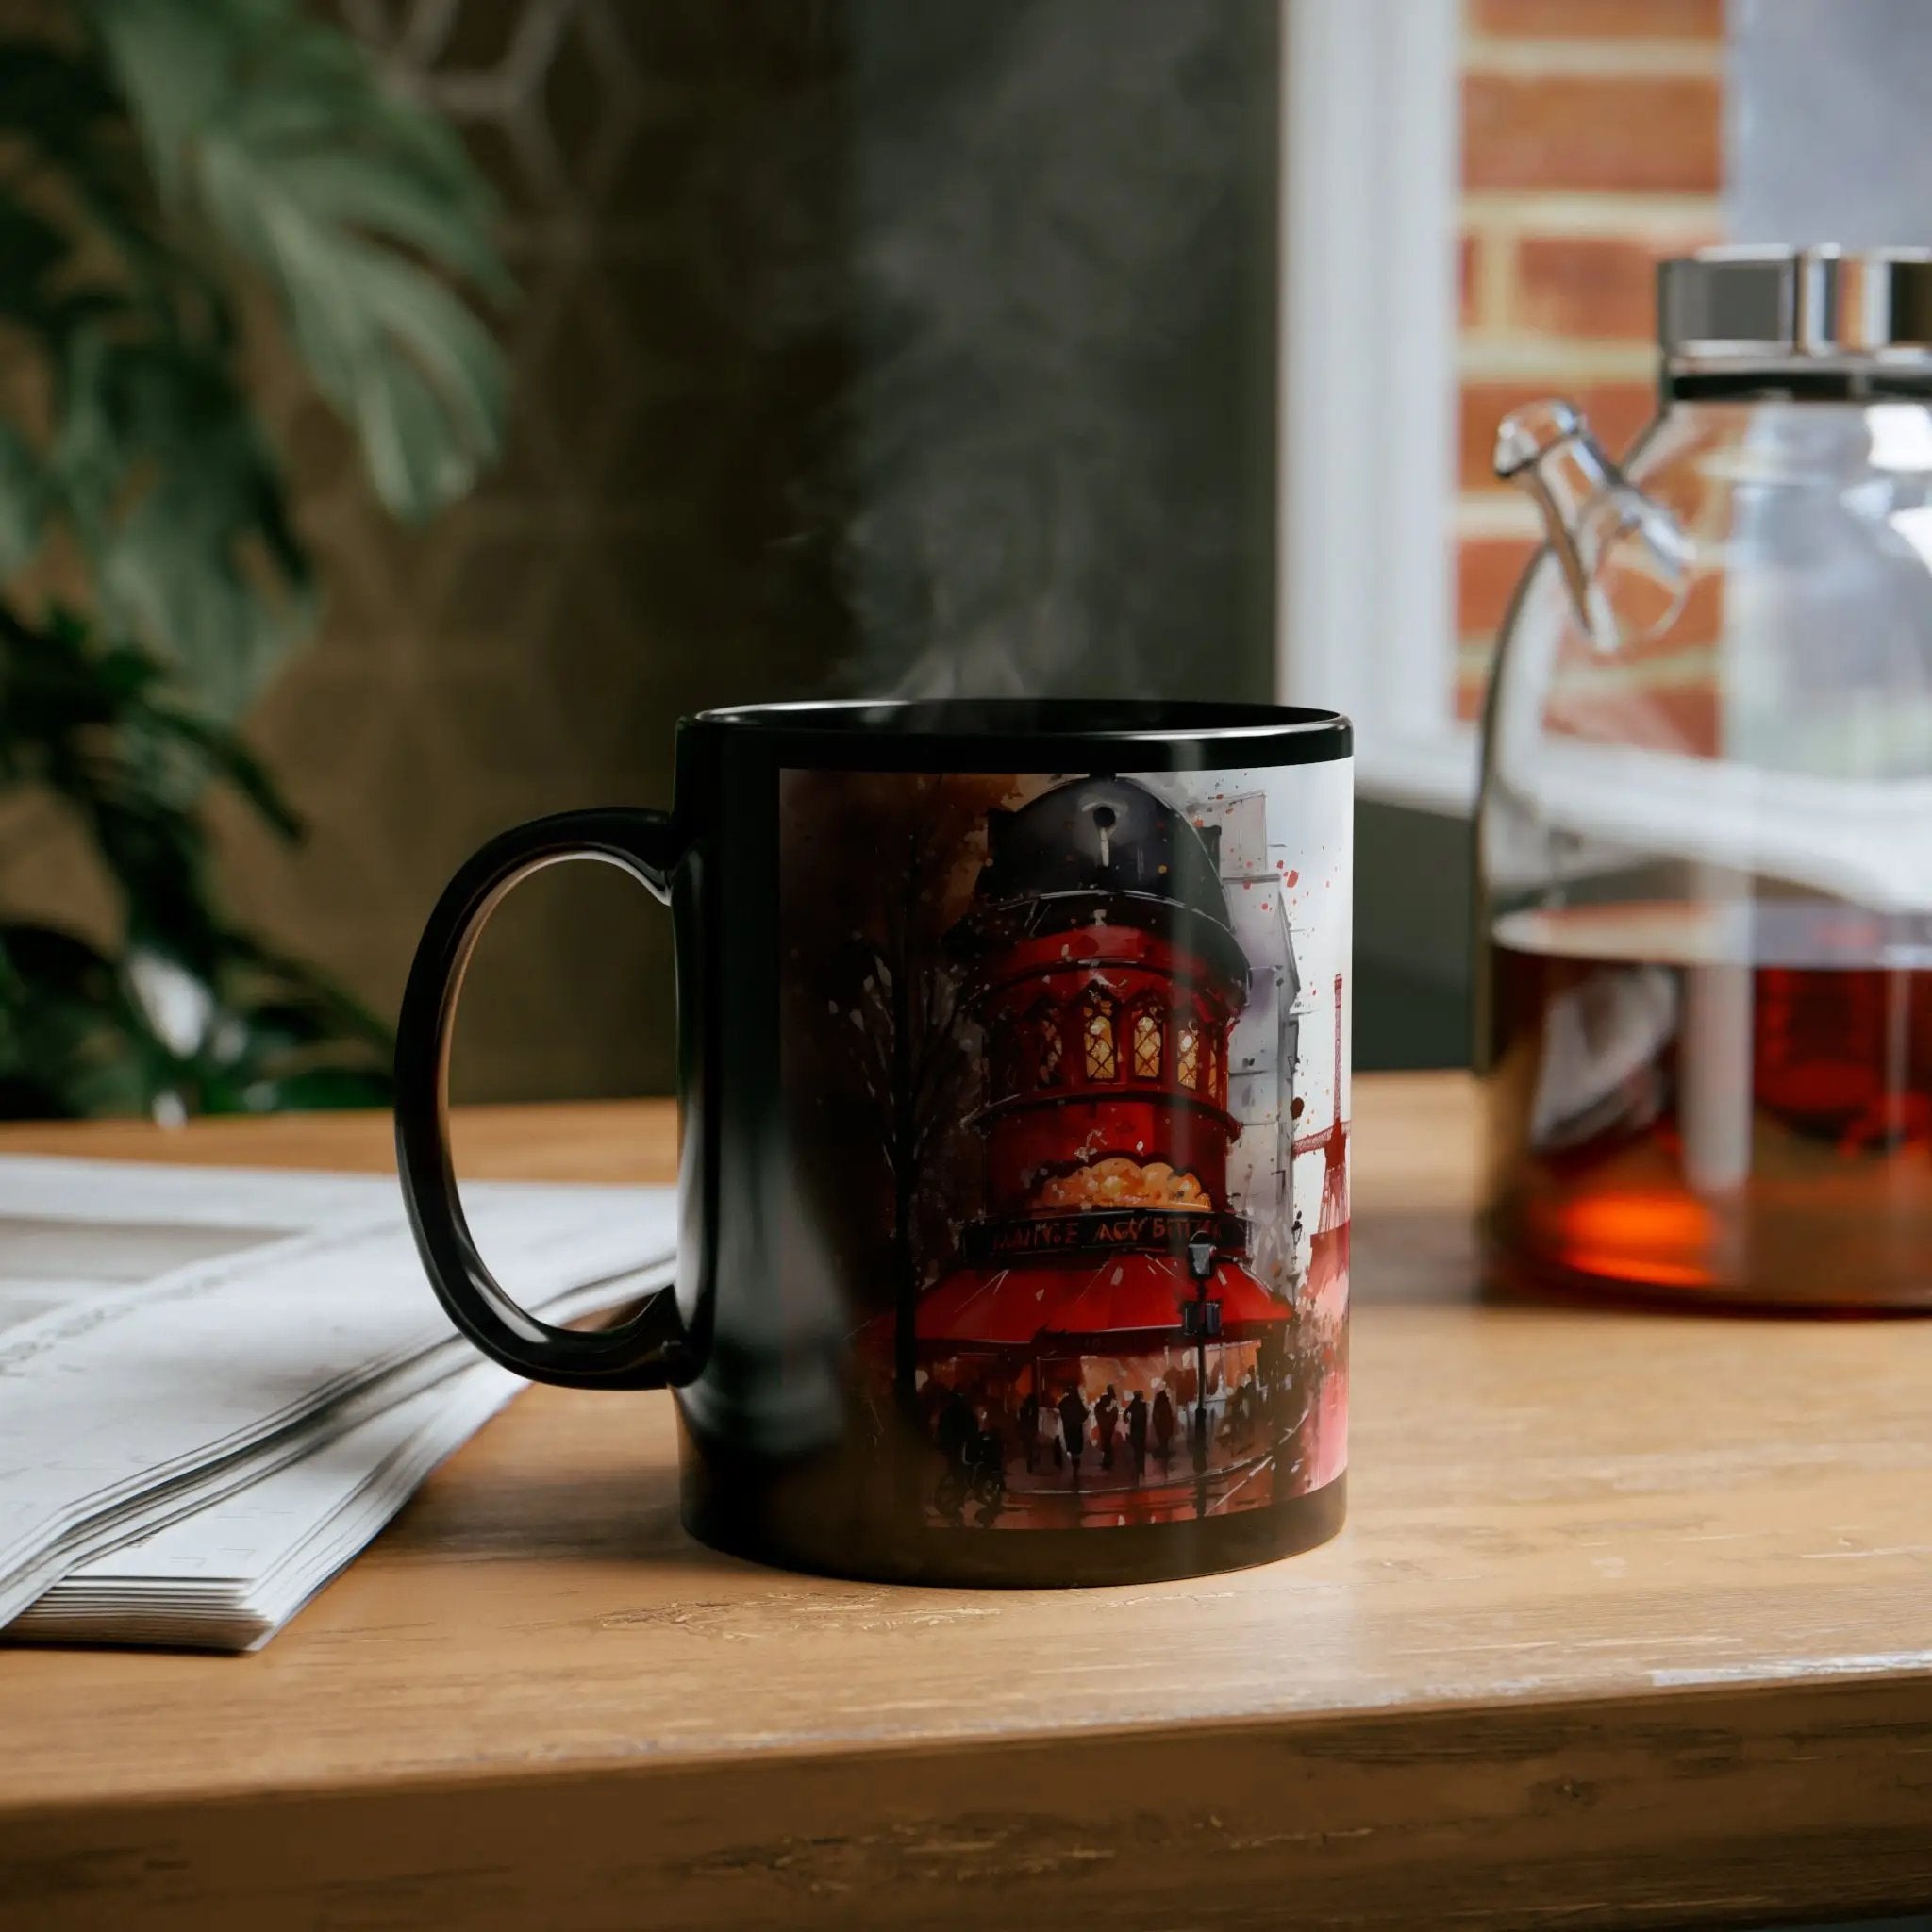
{"points": [[1722, 1104]]}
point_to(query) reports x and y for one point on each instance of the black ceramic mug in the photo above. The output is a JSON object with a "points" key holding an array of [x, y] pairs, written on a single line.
{"points": [[1013, 1074]]}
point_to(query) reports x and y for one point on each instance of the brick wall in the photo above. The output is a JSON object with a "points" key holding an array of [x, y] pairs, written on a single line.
{"points": [[1592, 146]]}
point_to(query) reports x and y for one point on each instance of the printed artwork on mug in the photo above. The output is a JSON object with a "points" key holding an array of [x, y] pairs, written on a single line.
{"points": [[1066, 1064]]}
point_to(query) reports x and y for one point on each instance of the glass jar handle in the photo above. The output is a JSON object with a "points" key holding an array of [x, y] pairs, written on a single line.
{"points": [[1625, 560]]}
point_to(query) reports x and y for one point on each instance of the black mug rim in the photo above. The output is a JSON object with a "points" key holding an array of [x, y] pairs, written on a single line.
{"points": [[1035, 734]]}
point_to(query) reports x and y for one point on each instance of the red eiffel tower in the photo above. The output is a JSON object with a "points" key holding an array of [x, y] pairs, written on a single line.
{"points": [[1332, 1142]]}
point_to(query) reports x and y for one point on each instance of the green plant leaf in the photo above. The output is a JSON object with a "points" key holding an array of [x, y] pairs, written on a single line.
{"points": [[151, 162], [101, 730], [225, 756], [304, 997], [23, 501], [54, 99], [417, 374], [368, 193], [79, 164], [274, 132], [173, 62], [67, 1044], [30, 249], [178, 502]]}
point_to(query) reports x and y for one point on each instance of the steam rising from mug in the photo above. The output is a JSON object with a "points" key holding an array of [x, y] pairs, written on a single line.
{"points": [[1045, 419]]}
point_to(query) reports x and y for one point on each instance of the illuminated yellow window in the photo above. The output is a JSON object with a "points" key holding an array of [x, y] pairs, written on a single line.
{"points": [[1096, 1035], [1147, 1044], [1049, 1049], [1187, 1055], [1211, 1082]]}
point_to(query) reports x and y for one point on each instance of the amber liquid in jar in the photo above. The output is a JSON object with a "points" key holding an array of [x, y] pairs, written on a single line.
{"points": [[1725, 1105]]}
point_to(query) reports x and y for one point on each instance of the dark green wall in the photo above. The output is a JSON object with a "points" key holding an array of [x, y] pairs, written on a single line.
{"points": [[1412, 873]]}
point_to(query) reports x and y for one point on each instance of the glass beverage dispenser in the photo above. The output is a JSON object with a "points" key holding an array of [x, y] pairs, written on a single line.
{"points": [[1706, 828]]}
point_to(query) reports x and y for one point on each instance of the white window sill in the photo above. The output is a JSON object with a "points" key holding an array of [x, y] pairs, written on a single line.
{"points": [[1371, 168]]}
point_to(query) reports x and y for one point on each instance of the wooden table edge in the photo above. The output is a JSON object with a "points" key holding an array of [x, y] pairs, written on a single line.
{"points": [[1801, 1793], [1354, 1817]]}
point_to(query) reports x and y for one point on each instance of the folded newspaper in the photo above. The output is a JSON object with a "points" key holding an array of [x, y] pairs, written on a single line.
{"points": [[217, 1385]]}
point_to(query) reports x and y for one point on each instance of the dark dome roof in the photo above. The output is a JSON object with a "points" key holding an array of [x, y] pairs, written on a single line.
{"points": [[1108, 835], [1102, 847]]}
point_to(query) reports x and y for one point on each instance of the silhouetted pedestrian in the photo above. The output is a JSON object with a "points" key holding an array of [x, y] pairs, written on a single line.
{"points": [[1029, 1426], [957, 1427], [1074, 1428], [1247, 1405], [1106, 1419], [1136, 1431], [1164, 1424]]}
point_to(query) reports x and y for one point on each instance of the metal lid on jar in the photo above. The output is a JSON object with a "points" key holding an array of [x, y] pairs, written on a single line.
{"points": [[1754, 306]]}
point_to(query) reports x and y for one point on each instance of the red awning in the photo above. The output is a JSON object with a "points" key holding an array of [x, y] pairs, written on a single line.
{"points": [[1131, 1295]]}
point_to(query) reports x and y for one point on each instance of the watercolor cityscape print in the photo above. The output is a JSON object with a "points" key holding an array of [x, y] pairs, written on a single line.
{"points": [[1066, 1061]]}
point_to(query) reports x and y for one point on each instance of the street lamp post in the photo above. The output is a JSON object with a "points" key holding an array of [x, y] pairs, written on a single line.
{"points": [[1201, 1318]]}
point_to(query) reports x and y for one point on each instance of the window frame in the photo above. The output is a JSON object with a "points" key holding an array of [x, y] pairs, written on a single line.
{"points": [[1097, 1004], [1371, 146], [1188, 1031], [1045, 1021], [1150, 1009]]}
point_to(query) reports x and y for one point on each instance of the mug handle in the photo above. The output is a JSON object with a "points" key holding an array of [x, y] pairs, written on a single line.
{"points": [[650, 1350]]}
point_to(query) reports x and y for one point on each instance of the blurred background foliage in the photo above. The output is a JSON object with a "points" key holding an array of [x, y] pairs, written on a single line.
{"points": [[174, 177], [857, 344]]}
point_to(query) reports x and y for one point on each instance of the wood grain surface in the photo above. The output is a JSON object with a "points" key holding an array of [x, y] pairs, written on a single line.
{"points": [[1631, 1625]]}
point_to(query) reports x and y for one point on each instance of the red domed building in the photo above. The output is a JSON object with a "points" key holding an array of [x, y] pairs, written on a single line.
{"points": [[1103, 971]]}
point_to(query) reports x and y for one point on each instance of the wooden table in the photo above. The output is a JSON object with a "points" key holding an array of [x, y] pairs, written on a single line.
{"points": [[1632, 1625]]}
